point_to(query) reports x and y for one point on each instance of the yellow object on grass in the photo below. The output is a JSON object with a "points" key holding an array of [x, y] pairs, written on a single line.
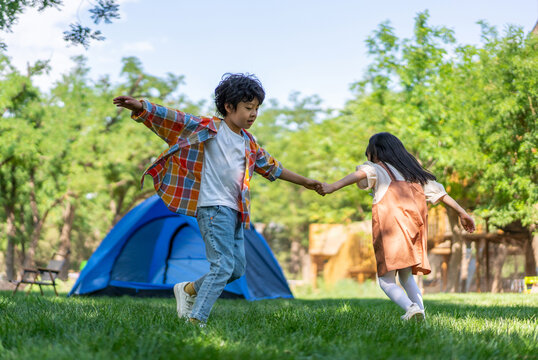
{"points": [[531, 285]]}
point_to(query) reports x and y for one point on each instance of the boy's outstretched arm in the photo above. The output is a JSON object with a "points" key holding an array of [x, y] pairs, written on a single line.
{"points": [[347, 180], [466, 221], [169, 124], [308, 183], [129, 103]]}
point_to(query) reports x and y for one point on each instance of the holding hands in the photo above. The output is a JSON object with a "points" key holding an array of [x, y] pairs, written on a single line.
{"points": [[321, 188], [325, 189], [312, 184]]}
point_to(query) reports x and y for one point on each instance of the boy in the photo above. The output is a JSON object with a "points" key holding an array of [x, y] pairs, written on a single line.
{"points": [[206, 173]]}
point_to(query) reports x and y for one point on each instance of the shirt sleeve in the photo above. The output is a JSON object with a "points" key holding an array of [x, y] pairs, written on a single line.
{"points": [[371, 177], [169, 124], [434, 191], [266, 165]]}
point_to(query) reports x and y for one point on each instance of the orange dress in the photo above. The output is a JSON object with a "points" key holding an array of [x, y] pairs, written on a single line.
{"points": [[399, 228]]}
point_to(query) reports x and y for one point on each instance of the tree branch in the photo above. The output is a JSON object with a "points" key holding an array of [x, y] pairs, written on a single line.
{"points": [[530, 104]]}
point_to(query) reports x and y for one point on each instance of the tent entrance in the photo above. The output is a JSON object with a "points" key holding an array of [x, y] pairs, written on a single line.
{"points": [[133, 263], [186, 260]]}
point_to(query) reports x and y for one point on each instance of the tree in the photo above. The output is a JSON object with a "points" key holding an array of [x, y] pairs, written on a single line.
{"points": [[103, 10], [469, 117], [21, 181]]}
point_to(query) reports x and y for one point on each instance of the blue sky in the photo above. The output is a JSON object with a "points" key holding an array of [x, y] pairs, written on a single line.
{"points": [[314, 47]]}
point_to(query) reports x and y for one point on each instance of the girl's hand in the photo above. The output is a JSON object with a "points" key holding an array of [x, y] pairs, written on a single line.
{"points": [[325, 189], [467, 222], [128, 103]]}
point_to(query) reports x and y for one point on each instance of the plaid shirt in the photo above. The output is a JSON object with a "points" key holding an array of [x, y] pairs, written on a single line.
{"points": [[177, 172]]}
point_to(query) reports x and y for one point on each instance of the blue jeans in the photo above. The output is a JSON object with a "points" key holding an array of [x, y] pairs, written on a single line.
{"points": [[222, 232]]}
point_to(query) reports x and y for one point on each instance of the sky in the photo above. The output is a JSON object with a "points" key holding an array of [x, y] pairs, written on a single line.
{"points": [[311, 46]]}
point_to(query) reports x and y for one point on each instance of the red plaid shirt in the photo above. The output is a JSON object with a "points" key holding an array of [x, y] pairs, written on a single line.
{"points": [[177, 172]]}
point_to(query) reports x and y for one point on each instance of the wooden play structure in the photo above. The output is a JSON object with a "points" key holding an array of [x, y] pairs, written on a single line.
{"points": [[339, 251]]}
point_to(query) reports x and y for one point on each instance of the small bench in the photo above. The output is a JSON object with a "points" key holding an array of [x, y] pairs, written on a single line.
{"points": [[41, 276]]}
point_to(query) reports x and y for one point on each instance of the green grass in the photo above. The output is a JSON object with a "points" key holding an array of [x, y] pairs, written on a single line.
{"points": [[327, 324]]}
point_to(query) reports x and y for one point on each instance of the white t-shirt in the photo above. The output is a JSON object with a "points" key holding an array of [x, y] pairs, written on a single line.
{"points": [[223, 169], [379, 180]]}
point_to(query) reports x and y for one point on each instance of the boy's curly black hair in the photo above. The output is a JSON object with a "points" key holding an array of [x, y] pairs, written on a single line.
{"points": [[234, 88]]}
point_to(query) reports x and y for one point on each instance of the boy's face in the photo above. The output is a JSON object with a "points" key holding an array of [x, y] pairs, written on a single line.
{"points": [[243, 116]]}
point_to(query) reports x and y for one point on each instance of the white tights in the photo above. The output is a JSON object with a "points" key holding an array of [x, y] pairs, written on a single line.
{"points": [[396, 294]]}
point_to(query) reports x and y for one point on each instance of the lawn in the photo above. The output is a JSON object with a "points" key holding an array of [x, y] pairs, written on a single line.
{"points": [[345, 322]]}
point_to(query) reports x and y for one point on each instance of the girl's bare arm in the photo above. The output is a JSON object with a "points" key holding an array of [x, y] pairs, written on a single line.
{"points": [[345, 181], [466, 221]]}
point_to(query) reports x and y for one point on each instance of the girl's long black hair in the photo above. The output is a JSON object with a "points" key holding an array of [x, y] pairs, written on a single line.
{"points": [[388, 148]]}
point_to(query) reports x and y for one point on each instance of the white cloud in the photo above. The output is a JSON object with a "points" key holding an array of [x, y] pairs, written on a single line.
{"points": [[139, 46], [39, 36]]}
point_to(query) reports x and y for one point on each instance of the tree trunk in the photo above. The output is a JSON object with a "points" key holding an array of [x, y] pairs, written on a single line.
{"points": [[531, 252], [534, 246], [10, 251], [38, 221], [454, 265], [480, 266], [65, 236], [120, 211], [11, 230], [465, 262], [115, 207], [498, 262], [306, 265], [29, 260], [295, 256]]}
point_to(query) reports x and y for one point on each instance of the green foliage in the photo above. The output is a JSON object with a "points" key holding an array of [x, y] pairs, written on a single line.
{"points": [[476, 326], [103, 10], [509, 138]]}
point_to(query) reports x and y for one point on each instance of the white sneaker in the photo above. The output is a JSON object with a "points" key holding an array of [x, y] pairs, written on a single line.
{"points": [[414, 312], [185, 302]]}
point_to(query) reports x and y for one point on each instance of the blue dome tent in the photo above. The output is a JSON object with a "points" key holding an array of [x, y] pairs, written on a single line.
{"points": [[151, 248]]}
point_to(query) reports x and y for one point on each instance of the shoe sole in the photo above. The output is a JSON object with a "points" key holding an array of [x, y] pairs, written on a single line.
{"points": [[418, 317]]}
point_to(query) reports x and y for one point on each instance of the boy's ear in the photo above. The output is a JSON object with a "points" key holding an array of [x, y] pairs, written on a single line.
{"points": [[229, 108]]}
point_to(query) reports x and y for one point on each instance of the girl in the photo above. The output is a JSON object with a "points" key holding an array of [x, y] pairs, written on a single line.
{"points": [[401, 187]]}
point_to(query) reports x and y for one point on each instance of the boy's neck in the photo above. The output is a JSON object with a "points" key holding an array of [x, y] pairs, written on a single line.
{"points": [[236, 129]]}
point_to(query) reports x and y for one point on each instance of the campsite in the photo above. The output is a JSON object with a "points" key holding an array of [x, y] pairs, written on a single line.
{"points": [[268, 180]]}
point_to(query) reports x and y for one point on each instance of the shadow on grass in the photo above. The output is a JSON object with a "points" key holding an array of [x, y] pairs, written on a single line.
{"points": [[440, 307], [454, 307]]}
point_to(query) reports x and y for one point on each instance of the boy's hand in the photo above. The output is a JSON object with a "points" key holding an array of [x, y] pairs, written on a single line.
{"points": [[325, 189], [312, 184], [128, 103], [467, 222]]}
